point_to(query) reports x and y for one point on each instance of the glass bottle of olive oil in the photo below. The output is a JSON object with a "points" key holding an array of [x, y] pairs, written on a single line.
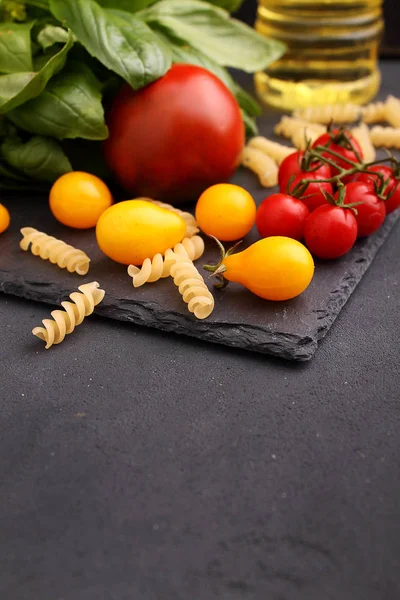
{"points": [[332, 51]]}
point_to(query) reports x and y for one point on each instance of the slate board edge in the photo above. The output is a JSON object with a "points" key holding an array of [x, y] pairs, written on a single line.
{"points": [[362, 258], [252, 338]]}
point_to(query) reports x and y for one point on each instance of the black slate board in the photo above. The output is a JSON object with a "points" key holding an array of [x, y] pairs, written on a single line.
{"points": [[290, 330]]}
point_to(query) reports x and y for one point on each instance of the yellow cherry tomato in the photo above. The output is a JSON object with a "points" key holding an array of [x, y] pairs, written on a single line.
{"points": [[275, 268], [78, 199], [4, 218], [226, 211], [131, 231]]}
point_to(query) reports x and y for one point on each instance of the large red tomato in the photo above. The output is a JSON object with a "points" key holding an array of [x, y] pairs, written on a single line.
{"points": [[175, 137]]}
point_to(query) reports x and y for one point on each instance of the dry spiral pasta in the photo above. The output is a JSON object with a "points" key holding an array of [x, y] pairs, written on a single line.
{"points": [[159, 266], [374, 112], [392, 111], [191, 224], [192, 288], [388, 137], [340, 113], [289, 126], [362, 135], [278, 152], [261, 164], [54, 250], [348, 113], [304, 136], [65, 321]]}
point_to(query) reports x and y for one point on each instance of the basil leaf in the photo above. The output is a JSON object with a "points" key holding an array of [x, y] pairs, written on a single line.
{"points": [[229, 5], [43, 4], [250, 124], [15, 47], [40, 158], [7, 171], [128, 5], [183, 53], [69, 107], [121, 42], [209, 29], [50, 35], [17, 88], [247, 102]]}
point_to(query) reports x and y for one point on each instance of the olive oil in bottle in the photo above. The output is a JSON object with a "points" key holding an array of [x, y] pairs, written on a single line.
{"points": [[332, 51]]}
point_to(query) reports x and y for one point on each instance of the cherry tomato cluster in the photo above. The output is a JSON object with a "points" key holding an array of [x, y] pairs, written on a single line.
{"points": [[329, 197]]}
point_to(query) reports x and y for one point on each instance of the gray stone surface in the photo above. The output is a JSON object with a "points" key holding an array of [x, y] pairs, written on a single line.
{"points": [[290, 330]]}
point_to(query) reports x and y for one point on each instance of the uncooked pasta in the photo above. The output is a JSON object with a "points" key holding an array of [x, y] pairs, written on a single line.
{"points": [[192, 288], [288, 126], [392, 111], [65, 321], [374, 112], [362, 135], [386, 137], [54, 250], [159, 266], [261, 164], [339, 113], [302, 137], [278, 152]]}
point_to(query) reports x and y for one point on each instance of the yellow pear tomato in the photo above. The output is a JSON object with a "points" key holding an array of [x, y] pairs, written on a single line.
{"points": [[274, 268], [131, 231]]}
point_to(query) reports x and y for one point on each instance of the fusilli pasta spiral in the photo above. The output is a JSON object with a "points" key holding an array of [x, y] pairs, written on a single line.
{"points": [[374, 112], [392, 111], [301, 137], [361, 133], [278, 152], [65, 321], [288, 126], [191, 224], [54, 250], [192, 288], [261, 164], [160, 266], [340, 113], [387, 137]]}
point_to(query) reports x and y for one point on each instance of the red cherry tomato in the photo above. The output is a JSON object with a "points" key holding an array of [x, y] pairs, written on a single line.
{"points": [[370, 177], [371, 212], [392, 192], [313, 194], [281, 215], [292, 165], [393, 197], [330, 231], [175, 137], [328, 139]]}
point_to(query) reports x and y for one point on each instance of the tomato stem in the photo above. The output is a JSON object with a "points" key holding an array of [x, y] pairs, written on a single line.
{"points": [[336, 155], [219, 269]]}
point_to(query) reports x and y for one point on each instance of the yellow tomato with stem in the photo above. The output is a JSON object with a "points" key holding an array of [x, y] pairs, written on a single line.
{"points": [[131, 231], [78, 199], [226, 211], [4, 218], [274, 268]]}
